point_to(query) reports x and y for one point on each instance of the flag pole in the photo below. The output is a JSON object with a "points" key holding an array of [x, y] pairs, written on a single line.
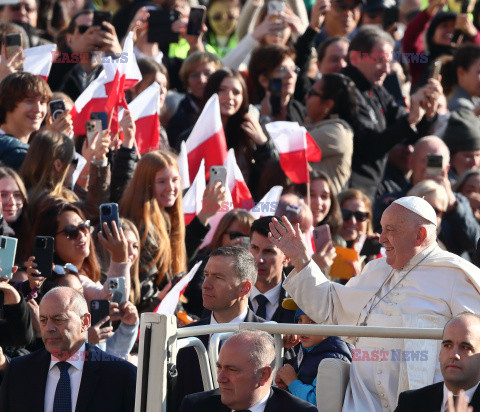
{"points": [[308, 194]]}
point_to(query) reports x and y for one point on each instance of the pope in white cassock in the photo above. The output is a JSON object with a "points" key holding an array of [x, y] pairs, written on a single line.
{"points": [[416, 285]]}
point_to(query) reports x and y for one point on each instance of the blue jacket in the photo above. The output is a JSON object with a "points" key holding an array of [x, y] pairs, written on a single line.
{"points": [[12, 151]]}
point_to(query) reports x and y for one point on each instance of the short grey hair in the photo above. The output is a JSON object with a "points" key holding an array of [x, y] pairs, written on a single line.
{"points": [[77, 302], [259, 345], [244, 263], [368, 37]]}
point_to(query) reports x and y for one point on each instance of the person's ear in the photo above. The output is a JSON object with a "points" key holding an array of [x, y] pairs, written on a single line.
{"points": [[460, 72], [263, 80], [328, 103], [421, 235], [264, 375], [246, 288], [286, 260], [86, 321], [58, 165]]}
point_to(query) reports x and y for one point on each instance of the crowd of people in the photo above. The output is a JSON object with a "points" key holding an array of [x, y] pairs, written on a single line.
{"points": [[383, 233]]}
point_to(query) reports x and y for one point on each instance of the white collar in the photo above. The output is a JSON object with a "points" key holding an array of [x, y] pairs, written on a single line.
{"points": [[239, 319], [260, 405], [76, 360], [272, 295], [468, 393]]}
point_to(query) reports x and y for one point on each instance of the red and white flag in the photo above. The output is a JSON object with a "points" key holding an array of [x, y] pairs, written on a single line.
{"points": [[296, 148], [38, 60], [192, 201], [269, 203], [145, 111], [241, 196], [183, 166], [207, 140]]}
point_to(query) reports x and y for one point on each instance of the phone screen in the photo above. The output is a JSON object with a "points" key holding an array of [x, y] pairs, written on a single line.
{"points": [[434, 164], [275, 89], [321, 236], [195, 21]]}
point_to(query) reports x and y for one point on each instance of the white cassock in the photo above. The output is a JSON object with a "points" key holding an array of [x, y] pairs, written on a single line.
{"points": [[441, 286]]}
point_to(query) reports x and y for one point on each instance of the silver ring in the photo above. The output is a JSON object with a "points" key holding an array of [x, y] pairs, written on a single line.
{"points": [[279, 238]]}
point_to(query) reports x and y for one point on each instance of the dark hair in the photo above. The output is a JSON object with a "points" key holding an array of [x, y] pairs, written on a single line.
{"points": [[322, 47], [150, 66], [263, 61], [367, 38], [17, 87], [245, 265], [465, 56], [241, 216], [262, 225], [234, 134], [73, 24], [341, 90]]}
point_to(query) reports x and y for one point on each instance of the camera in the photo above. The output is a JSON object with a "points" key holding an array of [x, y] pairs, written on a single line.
{"points": [[113, 284], [106, 210], [95, 305]]}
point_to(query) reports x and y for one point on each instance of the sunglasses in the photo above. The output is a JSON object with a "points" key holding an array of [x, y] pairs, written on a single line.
{"points": [[359, 216], [235, 235], [82, 29], [220, 17], [313, 92], [73, 232], [340, 7], [67, 269]]}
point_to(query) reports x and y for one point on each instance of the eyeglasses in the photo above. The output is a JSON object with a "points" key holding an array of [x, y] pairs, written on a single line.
{"points": [[283, 70], [17, 196], [235, 235], [360, 216], [82, 28], [197, 75], [73, 232], [313, 92], [28, 9], [67, 269], [341, 6], [224, 16]]}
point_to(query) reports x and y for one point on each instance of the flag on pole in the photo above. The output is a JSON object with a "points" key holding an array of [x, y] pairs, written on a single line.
{"points": [[241, 196], [183, 166], [269, 203], [207, 140], [192, 201], [38, 60], [296, 148]]}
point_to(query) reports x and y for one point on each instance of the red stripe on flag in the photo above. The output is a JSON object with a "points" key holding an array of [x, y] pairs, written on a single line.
{"points": [[148, 133], [188, 217], [294, 164]]}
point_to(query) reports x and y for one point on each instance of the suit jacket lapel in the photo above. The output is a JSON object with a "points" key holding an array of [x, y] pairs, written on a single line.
{"points": [[475, 401], [273, 404], [38, 374], [90, 378]]}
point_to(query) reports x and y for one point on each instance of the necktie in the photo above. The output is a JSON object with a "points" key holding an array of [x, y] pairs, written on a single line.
{"points": [[262, 306], [63, 394]]}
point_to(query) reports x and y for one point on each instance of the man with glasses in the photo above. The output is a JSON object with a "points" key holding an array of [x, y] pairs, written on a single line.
{"points": [[69, 374], [77, 66]]}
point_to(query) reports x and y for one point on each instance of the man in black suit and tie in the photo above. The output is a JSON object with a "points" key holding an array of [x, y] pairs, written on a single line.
{"points": [[268, 294], [69, 374], [246, 368], [230, 274], [460, 365]]}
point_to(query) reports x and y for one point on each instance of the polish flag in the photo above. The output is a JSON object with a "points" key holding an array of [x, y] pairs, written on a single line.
{"points": [[93, 99], [145, 111], [296, 148], [207, 140], [38, 60], [241, 196], [269, 203], [192, 201], [183, 166]]}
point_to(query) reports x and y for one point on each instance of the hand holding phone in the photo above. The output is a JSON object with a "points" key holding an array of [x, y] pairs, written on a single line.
{"points": [[218, 174], [43, 252], [100, 309], [57, 107], [108, 214], [434, 164]]}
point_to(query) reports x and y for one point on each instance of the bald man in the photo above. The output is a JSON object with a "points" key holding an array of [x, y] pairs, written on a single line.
{"points": [[69, 374], [459, 229], [417, 285]]}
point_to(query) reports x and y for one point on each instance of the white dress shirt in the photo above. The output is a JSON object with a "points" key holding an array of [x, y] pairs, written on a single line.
{"points": [[273, 295], [441, 286], [259, 406], [239, 319], [75, 372], [468, 393]]}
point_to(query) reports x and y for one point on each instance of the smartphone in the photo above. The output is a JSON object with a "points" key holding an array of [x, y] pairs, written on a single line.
{"points": [[100, 16], [92, 127], [8, 248], [13, 42], [196, 19], [99, 309], [390, 16], [321, 236], [434, 164], [218, 174], [57, 107], [117, 287], [108, 214], [371, 247], [43, 252], [254, 112], [435, 70], [275, 89], [275, 7], [159, 28], [100, 116]]}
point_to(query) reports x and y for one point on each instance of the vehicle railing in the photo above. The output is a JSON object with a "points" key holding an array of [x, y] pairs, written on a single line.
{"points": [[160, 340]]}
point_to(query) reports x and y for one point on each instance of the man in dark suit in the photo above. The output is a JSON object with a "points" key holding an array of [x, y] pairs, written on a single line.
{"points": [[460, 365], [246, 367], [230, 274], [69, 374], [268, 294]]}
